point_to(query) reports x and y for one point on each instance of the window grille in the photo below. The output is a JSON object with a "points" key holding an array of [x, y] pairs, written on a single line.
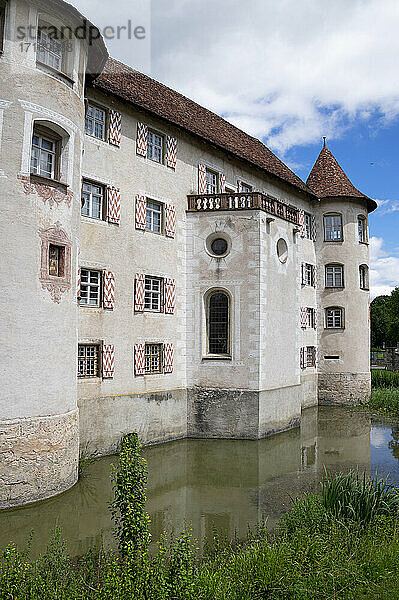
{"points": [[90, 287], [95, 122], [333, 228], [310, 356], [43, 157], [334, 318], [218, 324], [153, 294], [334, 276], [88, 360], [153, 216], [155, 147], [153, 358], [49, 50], [92, 200], [211, 182]]}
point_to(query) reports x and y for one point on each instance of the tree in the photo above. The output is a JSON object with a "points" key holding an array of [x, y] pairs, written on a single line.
{"points": [[384, 314]]}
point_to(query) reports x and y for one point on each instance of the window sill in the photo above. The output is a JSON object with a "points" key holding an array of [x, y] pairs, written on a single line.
{"points": [[48, 181], [96, 139], [364, 243], [216, 357], [55, 73], [334, 287], [334, 328], [333, 241]]}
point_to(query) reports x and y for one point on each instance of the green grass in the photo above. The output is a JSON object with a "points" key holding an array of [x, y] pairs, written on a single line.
{"points": [[384, 379], [316, 553], [385, 400]]}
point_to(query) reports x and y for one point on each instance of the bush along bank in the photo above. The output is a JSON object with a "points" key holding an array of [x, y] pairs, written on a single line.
{"points": [[343, 544], [384, 392]]}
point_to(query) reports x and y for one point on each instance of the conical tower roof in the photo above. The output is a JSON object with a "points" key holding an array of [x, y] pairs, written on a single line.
{"points": [[327, 180]]}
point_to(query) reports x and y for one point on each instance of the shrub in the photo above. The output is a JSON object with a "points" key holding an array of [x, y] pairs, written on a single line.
{"points": [[385, 400], [128, 507], [384, 379], [351, 496]]}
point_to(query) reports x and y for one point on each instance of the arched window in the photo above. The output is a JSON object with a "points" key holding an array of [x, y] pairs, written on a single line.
{"points": [[364, 277], [334, 317], [218, 317], [48, 150], [333, 228]]}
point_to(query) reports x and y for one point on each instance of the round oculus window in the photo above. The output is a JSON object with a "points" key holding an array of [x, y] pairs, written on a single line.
{"points": [[282, 250], [219, 246]]}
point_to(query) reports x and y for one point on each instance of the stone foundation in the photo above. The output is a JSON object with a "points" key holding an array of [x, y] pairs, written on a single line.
{"points": [[343, 388], [38, 457]]}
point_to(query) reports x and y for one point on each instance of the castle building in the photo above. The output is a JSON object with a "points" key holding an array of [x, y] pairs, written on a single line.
{"points": [[162, 270]]}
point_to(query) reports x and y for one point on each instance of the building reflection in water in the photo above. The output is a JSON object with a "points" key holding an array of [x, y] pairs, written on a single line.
{"points": [[215, 484]]}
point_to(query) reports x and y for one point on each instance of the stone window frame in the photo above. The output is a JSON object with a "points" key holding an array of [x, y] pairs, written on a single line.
{"points": [[342, 317], [207, 297], [334, 265], [56, 236], [333, 214]]}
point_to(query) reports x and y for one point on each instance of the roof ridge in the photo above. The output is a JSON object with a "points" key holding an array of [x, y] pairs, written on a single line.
{"points": [[184, 112]]}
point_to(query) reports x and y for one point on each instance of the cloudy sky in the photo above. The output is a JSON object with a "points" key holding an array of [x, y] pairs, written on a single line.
{"points": [[287, 72]]}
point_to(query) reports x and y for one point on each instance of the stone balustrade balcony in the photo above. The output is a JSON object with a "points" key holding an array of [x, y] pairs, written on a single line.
{"points": [[243, 201]]}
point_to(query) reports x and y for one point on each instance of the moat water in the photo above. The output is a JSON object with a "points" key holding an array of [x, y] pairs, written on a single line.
{"points": [[216, 484]]}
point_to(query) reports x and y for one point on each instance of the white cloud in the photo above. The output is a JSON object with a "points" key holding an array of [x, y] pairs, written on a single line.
{"points": [[384, 269], [286, 71]]}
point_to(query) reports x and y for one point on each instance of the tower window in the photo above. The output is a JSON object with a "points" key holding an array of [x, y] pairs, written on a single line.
{"points": [[45, 153], [334, 276], [334, 318], [333, 228], [362, 228], [218, 324], [308, 226], [364, 277], [49, 50]]}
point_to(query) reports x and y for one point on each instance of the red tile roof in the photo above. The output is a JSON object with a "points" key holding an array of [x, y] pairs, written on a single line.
{"points": [[327, 180], [156, 98]]}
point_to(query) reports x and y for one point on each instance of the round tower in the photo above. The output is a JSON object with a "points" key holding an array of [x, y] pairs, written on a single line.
{"points": [[43, 65], [342, 252]]}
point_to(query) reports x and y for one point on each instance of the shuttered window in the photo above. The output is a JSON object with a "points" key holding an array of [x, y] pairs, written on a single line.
{"points": [[153, 216], [88, 360], [153, 294], [90, 287]]}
